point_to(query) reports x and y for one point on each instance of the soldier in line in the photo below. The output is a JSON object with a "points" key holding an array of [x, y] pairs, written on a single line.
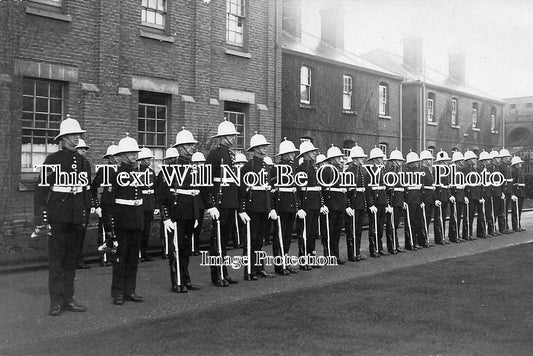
{"points": [[377, 200], [239, 230], [312, 203], [484, 162], [63, 205], [396, 201], [82, 149], [124, 222], [496, 198], [357, 204], [413, 198], [519, 193], [225, 197], [473, 193], [198, 159], [336, 202], [443, 194], [286, 204], [429, 200], [507, 188], [148, 197], [459, 201], [320, 160]]}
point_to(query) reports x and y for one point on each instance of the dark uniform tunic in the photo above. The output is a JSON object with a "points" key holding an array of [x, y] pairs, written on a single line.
{"points": [[396, 201], [357, 201], [126, 218], [458, 210], [519, 189], [473, 193], [106, 199], [377, 196], [66, 209], [90, 204], [226, 199], [428, 198], [149, 205], [414, 219], [336, 201]]}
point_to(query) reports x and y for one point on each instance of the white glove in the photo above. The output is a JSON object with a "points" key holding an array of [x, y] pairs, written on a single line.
{"points": [[301, 214], [273, 215], [466, 200], [324, 210], [156, 211], [422, 205], [405, 205], [503, 195], [514, 198], [373, 209], [437, 203], [214, 213], [349, 211], [98, 212], [482, 200], [93, 210], [244, 217], [452, 199], [169, 225], [389, 209]]}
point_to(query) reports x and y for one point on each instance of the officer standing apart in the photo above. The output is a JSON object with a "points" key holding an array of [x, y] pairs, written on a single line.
{"points": [[519, 193], [255, 206], [124, 222], [63, 205], [224, 194]]}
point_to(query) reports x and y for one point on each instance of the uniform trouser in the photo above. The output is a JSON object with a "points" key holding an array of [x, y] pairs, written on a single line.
{"points": [[79, 253], [417, 224], [197, 231], [454, 222], [259, 228], [423, 238], [350, 236], [148, 218], [125, 265], [287, 222], [476, 206], [497, 202], [184, 231], [381, 220], [462, 220], [62, 249], [311, 228], [392, 236], [516, 216], [439, 221], [227, 223], [336, 222], [504, 219], [488, 216]]}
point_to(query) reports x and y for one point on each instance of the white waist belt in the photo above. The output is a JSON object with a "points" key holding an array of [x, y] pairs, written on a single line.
{"points": [[429, 187], [287, 190], [359, 189], [509, 180], [414, 187], [378, 188], [129, 202], [521, 184], [258, 187], [459, 186], [223, 180], [398, 189], [312, 189], [148, 191], [339, 190], [72, 190], [192, 192]]}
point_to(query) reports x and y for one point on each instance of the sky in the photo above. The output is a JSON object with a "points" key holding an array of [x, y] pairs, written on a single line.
{"points": [[496, 35]]}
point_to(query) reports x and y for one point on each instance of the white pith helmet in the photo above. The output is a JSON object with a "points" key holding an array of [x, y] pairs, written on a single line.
{"points": [[145, 153], [516, 160], [426, 154], [357, 152], [334, 152], [504, 153], [184, 137], [198, 157], [257, 140], [111, 151], [457, 156], [469, 155], [412, 157], [171, 152], [396, 155], [306, 146], [442, 156], [319, 158], [240, 158], [226, 128], [268, 161], [376, 152], [81, 144], [69, 126], [128, 144], [484, 156], [494, 154], [286, 146]]}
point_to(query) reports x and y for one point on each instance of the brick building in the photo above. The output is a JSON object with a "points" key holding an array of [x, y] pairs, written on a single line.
{"points": [[440, 111], [331, 95], [146, 67], [519, 122]]}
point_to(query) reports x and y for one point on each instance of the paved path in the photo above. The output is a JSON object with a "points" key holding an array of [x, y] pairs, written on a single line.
{"points": [[24, 310]]}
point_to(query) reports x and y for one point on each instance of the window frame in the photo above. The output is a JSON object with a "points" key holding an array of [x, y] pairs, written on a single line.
{"points": [[157, 149], [383, 109], [454, 111], [475, 115], [431, 110], [384, 146], [347, 91], [237, 18], [307, 85], [493, 120], [234, 116], [163, 13]]}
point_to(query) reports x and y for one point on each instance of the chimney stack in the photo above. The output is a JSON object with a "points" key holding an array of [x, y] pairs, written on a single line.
{"points": [[292, 18], [332, 33], [412, 54], [456, 69]]}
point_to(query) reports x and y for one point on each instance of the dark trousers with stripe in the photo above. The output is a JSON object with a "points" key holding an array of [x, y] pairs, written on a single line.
{"points": [[127, 260]]}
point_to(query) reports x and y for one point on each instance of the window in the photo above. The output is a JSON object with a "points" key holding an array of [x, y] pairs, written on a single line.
{"points": [[492, 119], [512, 106], [347, 92], [385, 148], [475, 108], [454, 112], [235, 22], [235, 113], [42, 110], [431, 107], [153, 13], [383, 99], [57, 3], [152, 121], [305, 85], [529, 105]]}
